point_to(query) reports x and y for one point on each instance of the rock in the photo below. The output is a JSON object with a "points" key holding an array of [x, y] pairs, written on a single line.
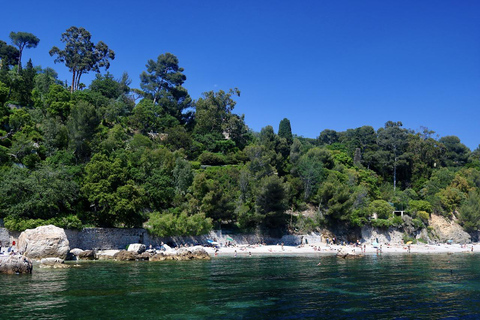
{"points": [[107, 254], [200, 254], [144, 256], [44, 242], [54, 263], [87, 255], [125, 255], [370, 234], [137, 247], [15, 264], [76, 251], [448, 230], [182, 254]]}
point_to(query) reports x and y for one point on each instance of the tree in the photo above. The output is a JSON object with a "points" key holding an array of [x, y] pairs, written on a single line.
{"points": [[456, 154], [8, 55], [270, 203], [23, 40], [393, 139], [162, 82], [81, 55], [285, 131], [213, 111]]}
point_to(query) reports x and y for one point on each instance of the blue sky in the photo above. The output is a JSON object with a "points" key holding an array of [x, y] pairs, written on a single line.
{"points": [[321, 64]]}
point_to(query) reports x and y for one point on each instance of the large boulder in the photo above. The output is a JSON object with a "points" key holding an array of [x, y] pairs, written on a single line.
{"points": [[44, 242], [136, 247], [15, 264]]}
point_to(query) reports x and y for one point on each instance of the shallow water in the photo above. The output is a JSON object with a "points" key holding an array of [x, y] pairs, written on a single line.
{"points": [[289, 287]]}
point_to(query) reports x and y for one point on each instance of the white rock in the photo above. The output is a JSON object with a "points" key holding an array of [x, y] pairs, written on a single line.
{"points": [[44, 242], [137, 247]]}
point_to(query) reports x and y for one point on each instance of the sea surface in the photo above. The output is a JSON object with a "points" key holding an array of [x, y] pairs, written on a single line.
{"points": [[435, 286]]}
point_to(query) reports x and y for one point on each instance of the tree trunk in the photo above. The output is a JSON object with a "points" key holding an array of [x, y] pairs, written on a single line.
{"points": [[73, 82]]}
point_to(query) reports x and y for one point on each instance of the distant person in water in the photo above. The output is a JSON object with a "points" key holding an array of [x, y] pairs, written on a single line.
{"points": [[235, 254]]}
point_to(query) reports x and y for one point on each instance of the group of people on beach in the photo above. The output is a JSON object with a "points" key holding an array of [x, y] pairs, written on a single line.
{"points": [[10, 248]]}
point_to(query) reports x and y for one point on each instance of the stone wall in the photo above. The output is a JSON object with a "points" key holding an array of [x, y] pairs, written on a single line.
{"points": [[105, 238]]}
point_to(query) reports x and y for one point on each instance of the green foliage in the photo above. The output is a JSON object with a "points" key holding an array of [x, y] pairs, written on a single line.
{"points": [[270, 203], [18, 224], [42, 193], [420, 205], [212, 159], [109, 155], [285, 130], [382, 208], [81, 55], [382, 223], [170, 224], [470, 212]]}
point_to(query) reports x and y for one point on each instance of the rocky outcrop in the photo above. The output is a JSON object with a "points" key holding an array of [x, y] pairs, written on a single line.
{"points": [[106, 254], [53, 263], [182, 255], [444, 230], [15, 264], [86, 255], [391, 235], [136, 247], [44, 242], [125, 255]]}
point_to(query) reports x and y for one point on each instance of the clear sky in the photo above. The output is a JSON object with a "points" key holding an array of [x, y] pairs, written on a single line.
{"points": [[321, 64]]}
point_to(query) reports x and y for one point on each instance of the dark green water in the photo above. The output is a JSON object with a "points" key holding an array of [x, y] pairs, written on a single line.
{"points": [[384, 287]]}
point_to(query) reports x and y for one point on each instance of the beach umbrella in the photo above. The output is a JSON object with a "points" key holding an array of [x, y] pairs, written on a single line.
{"points": [[409, 242], [209, 241], [229, 238]]}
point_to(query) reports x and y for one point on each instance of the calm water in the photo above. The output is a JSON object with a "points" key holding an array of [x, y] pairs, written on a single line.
{"points": [[385, 287]]}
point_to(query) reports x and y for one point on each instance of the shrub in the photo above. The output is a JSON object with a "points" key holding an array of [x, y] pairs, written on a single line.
{"points": [[423, 215], [170, 224], [213, 159]]}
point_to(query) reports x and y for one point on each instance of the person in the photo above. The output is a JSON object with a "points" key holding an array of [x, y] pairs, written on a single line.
{"points": [[249, 254], [282, 247], [364, 248], [408, 248], [471, 249], [235, 254]]}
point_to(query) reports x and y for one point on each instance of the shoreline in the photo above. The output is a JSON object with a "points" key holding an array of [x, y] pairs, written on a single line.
{"points": [[323, 249]]}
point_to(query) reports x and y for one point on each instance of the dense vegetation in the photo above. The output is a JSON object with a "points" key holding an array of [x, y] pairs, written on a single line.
{"points": [[109, 155]]}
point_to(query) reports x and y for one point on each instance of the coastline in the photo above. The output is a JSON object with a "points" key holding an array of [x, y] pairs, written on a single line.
{"points": [[323, 249]]}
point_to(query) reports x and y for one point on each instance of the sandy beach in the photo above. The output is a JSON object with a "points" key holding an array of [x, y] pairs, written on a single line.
{"points": [[324, 249]]}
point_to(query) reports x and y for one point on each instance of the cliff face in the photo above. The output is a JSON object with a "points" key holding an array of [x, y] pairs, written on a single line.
{"points": [[445, 230]]}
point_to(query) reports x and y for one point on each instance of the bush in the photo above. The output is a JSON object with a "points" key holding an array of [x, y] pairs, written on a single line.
{"points": [[213, 159], [423, 215], [170, 224]]}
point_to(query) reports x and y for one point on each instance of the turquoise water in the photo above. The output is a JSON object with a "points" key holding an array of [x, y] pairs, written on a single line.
{"points": [[383, 287]]}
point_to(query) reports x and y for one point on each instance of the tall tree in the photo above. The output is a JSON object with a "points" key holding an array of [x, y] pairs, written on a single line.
{"points": [[285, 131], [393, 139], [81, 55], [162, 82], [23, 40]]}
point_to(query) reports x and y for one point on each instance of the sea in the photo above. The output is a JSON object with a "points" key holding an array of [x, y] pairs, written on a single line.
{"points": [[389, 286]]}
